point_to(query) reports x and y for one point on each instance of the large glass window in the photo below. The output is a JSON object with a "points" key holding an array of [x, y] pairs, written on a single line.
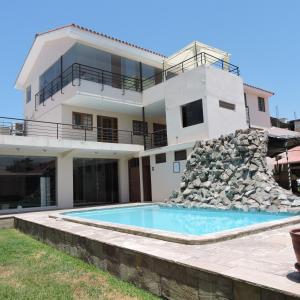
{"points": [[192, 113], [49, 75], [87, 56], [93, 61], [95, 181], [27, 181]]}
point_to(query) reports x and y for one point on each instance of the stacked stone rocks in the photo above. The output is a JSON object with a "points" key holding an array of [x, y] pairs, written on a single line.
{"points": [[231, 173]]}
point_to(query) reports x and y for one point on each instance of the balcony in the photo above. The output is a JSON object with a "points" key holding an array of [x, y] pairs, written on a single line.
{"points": [[22, 127], [77, 73]]}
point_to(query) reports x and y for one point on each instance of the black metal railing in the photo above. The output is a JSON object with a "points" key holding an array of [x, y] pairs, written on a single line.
{"points": [[22, 127], [77, 72], [201, 58]]}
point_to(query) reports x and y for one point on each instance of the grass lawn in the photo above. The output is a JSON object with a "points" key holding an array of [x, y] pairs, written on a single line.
{"points": [[32, 270]]}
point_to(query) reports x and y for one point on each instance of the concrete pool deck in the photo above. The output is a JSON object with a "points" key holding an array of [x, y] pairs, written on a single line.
{"points": [[257, 266]]}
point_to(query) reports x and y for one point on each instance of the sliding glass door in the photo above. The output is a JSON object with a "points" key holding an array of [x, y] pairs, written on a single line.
{"points": [[95, 181], [27, 181]]}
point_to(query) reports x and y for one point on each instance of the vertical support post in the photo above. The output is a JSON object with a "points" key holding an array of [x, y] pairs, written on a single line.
{"points": [[85, 133], [61, 74], [73, 74], [57, 130], [288, 165], [196, 54], [182, 69], [52, 90], [131, 137], [43, 96], [102, 81], [144, 127], [163, 72], [79, 75], [141, 77]]}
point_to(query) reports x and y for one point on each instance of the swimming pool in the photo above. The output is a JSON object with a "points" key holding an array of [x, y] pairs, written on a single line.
{"points": [[185, 221]]}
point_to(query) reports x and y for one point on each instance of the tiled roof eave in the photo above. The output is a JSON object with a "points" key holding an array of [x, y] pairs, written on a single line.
{"points": [[102, 35]]}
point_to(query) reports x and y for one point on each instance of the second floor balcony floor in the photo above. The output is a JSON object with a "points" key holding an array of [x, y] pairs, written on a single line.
{"points": [[108, 133]]}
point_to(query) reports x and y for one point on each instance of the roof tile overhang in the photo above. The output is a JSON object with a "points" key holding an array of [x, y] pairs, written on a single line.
{"points": [[102, 35], [257, 89], [41, 38]]}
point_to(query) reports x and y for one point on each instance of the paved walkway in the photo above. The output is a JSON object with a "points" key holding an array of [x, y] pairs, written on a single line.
{"points": [[264, 259]]}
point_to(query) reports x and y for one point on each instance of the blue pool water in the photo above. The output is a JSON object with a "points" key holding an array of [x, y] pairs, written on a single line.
{"points": [[179, 220]]}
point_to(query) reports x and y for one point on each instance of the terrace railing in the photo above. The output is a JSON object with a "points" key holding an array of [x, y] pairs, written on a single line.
{"points": [[22, 127], [201, 58], [77, 72]]}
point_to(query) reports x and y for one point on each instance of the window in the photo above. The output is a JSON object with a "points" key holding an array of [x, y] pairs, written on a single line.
{"points": [[192, 113], [28, 94], [261, 104], [27, 181], [160, 158], [180, 155], [139, 127], [226, 105], [82, 121]]}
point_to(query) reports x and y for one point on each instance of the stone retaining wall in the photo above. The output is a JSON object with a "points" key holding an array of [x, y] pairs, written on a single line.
{"points": [[6, 222], [163, 278]]}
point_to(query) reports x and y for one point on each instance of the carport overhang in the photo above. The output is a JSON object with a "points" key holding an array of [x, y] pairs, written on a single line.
{"points": [[43, 146]]}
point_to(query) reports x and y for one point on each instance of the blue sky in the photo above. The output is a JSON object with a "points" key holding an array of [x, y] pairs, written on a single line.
{"points": [[263, 37]]}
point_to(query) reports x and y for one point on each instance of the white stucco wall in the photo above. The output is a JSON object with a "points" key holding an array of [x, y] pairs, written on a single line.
{"points": [[210, 85], [163, 179], [224, 86], [182, 89], [258, 118]]}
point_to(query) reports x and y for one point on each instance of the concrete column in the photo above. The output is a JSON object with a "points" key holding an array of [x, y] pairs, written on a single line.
{"points": [[65, 181], [123, 180], [141, 178]]}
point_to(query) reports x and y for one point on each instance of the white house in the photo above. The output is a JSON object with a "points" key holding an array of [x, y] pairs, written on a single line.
{"points": [[106, 121]]}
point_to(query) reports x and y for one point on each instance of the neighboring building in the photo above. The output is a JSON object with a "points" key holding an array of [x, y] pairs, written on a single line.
{"points": [[281, 169], [257, 103], [108, 121], [295, 125]]}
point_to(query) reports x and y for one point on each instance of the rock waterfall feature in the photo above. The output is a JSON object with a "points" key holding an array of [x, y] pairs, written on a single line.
{"points": [[231, 173]]}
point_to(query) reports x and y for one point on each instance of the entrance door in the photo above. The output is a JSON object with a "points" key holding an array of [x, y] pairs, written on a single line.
{"points": [[107, 129], [159, 135], [147, 178], [134, 180], [95, 181]]}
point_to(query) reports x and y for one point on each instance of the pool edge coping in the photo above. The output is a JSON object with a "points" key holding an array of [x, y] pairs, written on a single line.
{"points": [[169, 236]]}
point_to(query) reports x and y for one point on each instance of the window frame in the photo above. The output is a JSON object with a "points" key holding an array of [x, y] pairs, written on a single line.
{"points": [[142, 131], [185, 112], [82, 126], [261, 104], [226, 105], [180, 152], [160, 158]]}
